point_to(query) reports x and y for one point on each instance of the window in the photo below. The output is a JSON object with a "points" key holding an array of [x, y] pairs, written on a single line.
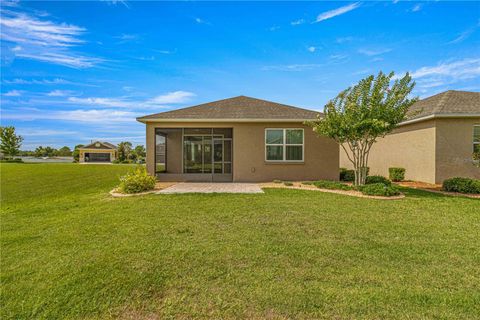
{"points": [[476, 138], [284, 145]]}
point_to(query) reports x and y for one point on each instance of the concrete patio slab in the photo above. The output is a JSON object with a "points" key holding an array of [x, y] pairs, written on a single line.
{"points": [[212, 187]]}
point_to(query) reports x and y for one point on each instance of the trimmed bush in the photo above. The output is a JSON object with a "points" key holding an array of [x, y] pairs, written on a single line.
{"points": [[277, 181], [379, 189], [16, 160], [396, 174], [378, 179], [288, 184], [347, 175], [137, 181], [332, 185], [462, 185]]}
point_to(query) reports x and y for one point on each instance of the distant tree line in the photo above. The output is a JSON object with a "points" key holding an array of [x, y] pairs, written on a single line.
{"points": [[48, 152]]}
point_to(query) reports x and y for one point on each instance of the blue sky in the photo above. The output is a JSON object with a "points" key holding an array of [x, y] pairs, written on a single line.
{"points": [[79, 71]]}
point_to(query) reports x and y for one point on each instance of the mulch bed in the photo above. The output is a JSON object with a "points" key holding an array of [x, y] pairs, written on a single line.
{"points": [[353, 193], [158, 186], [435, 188]]}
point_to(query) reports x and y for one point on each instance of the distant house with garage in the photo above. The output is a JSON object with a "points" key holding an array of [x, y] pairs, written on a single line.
{"points": [[98, 152]]}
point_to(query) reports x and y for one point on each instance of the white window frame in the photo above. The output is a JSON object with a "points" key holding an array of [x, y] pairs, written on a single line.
{"points": [[285, 144], [473, 137]]}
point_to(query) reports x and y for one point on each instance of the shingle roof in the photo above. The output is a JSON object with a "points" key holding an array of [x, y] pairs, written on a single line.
{"points": [[236, 108], [448, 102], [104, 144]]}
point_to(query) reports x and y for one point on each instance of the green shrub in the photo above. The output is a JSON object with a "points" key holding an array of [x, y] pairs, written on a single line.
{"points": [[378, 179], [277, 181], [347, 175], [332, 185], [379, 189], [462, 185], [307, 183], [396, 174], [137, 181], [288, 184], [16, 160], [116, 161]]}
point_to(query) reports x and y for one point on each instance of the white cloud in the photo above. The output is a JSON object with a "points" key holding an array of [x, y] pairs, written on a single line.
{"points": [[274, 28], [104, 102], [458, 70], [291, 67], [45, 132], [115, 2], [173, 97], [59, 93], [297, 22], [201, 21], [161, 101], [37, 81], [43, 40], [373, 52], [86, 116], [344, 39], [338, 56], [13, 93], [311, 49], [465, 34], [68, 59], [445, 74], [417, 7], [127, 37], [336, 12]]}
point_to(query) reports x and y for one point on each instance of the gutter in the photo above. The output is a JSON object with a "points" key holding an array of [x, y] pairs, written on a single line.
{"points": [[145, 120], [439, 116]]}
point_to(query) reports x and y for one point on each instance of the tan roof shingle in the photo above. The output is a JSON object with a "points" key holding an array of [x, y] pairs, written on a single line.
{"points": [[448, 102], [236, 108]]}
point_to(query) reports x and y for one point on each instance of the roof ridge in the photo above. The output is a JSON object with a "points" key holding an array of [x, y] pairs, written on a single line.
{"points": [[444, 98], [233, 108]]}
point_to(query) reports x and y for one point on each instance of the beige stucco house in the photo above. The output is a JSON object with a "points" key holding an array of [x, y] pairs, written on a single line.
{"points": [[435, 143], [97, 152], [238, 139]]}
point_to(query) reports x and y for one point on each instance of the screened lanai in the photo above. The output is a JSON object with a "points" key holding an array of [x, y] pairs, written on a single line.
{"points": [[193, 154]]}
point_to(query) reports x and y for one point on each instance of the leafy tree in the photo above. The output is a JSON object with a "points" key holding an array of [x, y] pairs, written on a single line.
{"points": [[45, 152], [361, 114], [124, 150], [76, 152], [64, 152], [10, 142], [139, 153]]}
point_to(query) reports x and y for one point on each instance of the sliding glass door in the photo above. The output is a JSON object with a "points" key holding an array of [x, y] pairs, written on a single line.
{"points": [[207, 151]]}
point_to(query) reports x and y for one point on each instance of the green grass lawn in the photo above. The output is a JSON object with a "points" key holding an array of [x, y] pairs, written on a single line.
{"points": [[68, 250]]}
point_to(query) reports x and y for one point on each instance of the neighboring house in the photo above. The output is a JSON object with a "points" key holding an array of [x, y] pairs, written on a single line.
{"points": [[435, 143], [98, 152], [238, 139]]}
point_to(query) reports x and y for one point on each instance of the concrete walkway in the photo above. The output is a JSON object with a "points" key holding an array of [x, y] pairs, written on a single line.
{"points": [[212, 187]]}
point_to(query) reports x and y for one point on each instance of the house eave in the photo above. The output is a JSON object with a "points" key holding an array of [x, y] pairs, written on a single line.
{"points": [[441, 115], [143, 120]]}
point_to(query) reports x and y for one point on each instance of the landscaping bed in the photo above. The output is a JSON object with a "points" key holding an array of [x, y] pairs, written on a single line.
{"points": [[347, 190], [435, 188]]}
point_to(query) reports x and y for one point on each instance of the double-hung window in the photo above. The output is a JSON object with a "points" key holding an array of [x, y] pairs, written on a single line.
{"points": [[284, 145], [476, 138]]}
